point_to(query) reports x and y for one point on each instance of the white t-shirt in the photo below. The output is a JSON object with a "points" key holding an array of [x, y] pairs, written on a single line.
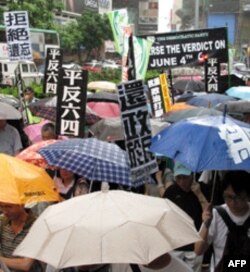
{"points": [[61, 187], [218, 232], [175, 265]]}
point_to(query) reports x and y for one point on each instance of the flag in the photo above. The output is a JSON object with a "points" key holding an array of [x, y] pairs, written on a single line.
{"points": [[118, 19]]}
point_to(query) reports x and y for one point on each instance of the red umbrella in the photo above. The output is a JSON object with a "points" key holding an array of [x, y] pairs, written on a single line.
{"points": [[105, 109], [31, 155]]}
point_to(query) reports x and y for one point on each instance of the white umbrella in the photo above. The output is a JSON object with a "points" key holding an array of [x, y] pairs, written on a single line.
{"points": [[8, 112], [102, 85], [107, 227], [111, 128]]}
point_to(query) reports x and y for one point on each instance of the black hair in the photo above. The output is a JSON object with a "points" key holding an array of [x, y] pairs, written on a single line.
{"points": [[48, 126], [28, 89], [239, 180]]}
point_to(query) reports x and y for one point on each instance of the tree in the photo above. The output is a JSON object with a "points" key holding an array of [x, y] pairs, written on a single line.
{"points": [[41, 12], [88, 31], [94, 29]]}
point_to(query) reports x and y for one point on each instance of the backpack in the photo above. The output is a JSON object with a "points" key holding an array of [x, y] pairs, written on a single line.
{"points": [[238, 239]]}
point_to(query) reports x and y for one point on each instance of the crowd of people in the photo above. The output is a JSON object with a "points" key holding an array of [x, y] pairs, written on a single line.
{"points": [[173, 181]]}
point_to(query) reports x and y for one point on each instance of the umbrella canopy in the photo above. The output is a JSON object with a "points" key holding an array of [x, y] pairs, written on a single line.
{"points": [[24, 183], [31, 155], [107, 227], [10, 99], [206, 143], [34, 131], [241, 92], [239, 106], [184, 97], [102, 85], [181, 106], [186, 113], [46, 108], [103, 97], [194, 77], [234, 81], [90, 158], [209, 100], [111, 128], [189, 85], [105, 109], [8, 112]]}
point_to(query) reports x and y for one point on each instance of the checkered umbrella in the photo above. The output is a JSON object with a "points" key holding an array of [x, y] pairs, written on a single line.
{"points": [[46, 108], [91, 158]]}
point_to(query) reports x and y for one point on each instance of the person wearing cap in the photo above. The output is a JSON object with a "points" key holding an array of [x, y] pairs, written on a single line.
{"points": [[181, 193]]}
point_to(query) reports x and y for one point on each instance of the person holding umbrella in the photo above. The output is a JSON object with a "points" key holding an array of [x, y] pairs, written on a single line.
{"points": [[181, 193], [215, 229]]}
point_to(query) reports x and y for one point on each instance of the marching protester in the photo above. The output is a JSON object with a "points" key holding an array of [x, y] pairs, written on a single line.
{"points": [[15, 223], [226, 226], [181, 193]]}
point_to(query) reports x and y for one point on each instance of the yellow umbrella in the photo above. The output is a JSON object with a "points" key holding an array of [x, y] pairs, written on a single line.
{"points": [[24, 183]]}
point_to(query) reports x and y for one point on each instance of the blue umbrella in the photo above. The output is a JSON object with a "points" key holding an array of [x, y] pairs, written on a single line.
{"points": [[209, 100], [206, 143], [91, 158], [241, 92]]}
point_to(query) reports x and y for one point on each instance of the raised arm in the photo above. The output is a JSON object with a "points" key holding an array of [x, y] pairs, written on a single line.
{"points": [[201, 246]]}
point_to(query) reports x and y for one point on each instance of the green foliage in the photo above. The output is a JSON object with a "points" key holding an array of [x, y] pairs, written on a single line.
{"points": [[93, 29], [89, 31], [9, 90], [113, 75], [38, 89], [152, 73], [69, 36], [41, 12]]}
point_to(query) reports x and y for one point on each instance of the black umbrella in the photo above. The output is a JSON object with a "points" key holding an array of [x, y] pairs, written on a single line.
{"points": [[183, 85], [46, 108]]}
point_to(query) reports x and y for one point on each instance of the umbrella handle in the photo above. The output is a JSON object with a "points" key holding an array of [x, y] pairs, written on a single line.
{"points": [[224, 114], [213, 187], [91, 185]]}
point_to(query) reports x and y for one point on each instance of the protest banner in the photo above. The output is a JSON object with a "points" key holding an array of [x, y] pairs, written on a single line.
{"points": [[137, 129], [184, 48], [51, 74], [71, 103], [18, 35]]}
